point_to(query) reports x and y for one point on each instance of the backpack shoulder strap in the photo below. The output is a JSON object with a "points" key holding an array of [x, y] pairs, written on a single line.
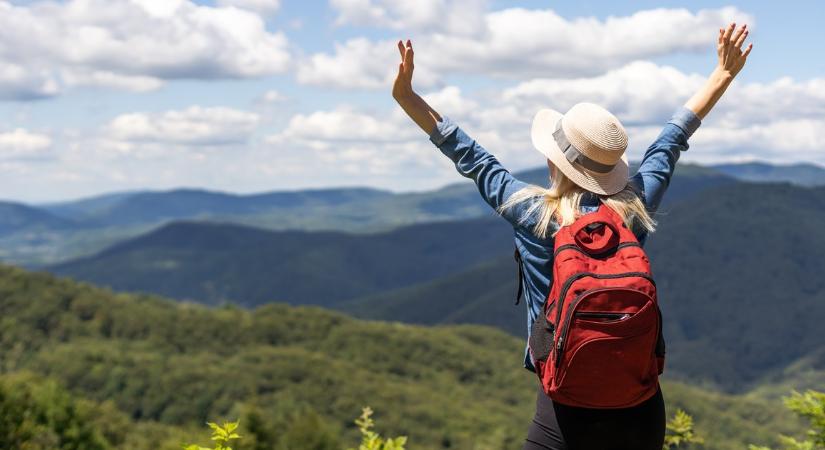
{"points": [[517, 257]]}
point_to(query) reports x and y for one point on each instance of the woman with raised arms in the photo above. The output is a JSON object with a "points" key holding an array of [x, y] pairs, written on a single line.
{"points": [[585, 153]]}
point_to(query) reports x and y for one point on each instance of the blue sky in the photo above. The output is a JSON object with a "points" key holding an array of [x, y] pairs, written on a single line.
{"points": [[256, 95]]}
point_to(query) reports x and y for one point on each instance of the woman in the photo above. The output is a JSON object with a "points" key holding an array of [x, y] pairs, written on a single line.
{"points": [[585, 156]]}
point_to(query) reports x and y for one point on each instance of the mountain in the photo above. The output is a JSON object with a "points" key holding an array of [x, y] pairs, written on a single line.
{"points": [[803, 174], [737, 265], [225, 262], [25, 230], [156, 207], [17, 217], [101, 221], [141, 372]]}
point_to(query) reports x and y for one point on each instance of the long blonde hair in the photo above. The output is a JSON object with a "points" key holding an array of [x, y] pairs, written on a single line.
{"points": [[561, 203]]}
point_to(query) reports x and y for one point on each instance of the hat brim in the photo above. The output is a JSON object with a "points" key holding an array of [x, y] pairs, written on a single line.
{"points": [[608, 183]]}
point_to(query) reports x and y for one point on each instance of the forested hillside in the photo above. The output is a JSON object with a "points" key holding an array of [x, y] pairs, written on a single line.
{"points": [[737, 266], [143, 372], [217, 263]]}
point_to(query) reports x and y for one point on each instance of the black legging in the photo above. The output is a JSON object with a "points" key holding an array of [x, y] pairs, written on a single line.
{"points": [[562, 427]]}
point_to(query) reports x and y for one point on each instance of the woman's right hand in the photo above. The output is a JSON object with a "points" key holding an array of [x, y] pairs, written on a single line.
{"points": [[729, 48], [402, 88]]}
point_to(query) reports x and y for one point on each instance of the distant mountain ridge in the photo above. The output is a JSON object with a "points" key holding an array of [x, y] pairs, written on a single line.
{"points": [[66, 230], [802, 174]]}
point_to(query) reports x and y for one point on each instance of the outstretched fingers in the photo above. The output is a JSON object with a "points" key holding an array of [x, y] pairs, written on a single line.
{"points": [[729, 32], [747, 50], [408, 59], [740, 36]]}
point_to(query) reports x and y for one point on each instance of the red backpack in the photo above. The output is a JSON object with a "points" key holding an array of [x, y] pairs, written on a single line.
{"points": [[599, 342]]}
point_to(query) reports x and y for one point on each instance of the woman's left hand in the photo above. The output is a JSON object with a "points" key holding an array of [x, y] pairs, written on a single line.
{"points": [[402, 88]]}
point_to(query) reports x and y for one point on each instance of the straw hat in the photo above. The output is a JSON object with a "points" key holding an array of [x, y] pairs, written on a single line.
{"points": [[587, 144]]}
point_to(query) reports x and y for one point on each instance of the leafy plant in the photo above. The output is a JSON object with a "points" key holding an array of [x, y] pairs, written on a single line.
{"points": [[371, 440], [680, 431], [221, 435], [811, 406]]}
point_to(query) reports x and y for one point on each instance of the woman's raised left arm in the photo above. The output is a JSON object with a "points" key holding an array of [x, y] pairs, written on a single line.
{"points": [[494, 182], [415, 106]]}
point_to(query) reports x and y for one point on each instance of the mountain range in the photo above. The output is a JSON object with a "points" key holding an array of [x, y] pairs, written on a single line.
{"points": [[737, 265], [36, 235]]}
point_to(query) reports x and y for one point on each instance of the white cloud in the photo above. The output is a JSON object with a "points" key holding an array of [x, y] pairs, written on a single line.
{"points": [[359, 64], [776, 121], [264, 7], [195, 125], [519, 43], [99, 78], [23, 144], [131, 44], [22, 83], [460, 16], [638, 92], [342, 125]]}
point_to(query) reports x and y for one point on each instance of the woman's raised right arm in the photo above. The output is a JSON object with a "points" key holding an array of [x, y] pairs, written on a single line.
{"points": [[660, 158]]}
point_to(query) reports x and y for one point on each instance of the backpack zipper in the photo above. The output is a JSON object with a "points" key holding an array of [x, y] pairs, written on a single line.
{"points": [[602, 315], [579, 276], [578, 249]]}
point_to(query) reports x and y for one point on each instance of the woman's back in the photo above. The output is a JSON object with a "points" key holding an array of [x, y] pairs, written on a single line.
{"points": [[496, 185]]}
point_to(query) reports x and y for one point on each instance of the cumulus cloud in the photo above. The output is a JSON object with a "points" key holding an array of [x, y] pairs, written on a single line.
{"points": [[460, 16], [23, 144], [18, 82], [195, 125], [131, 44], [344, 124], [518, 43], [775, 121], [359, 64], [264, 7]]}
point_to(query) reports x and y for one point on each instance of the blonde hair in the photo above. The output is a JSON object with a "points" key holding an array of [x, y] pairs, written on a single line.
{"points": [[561, 203]]}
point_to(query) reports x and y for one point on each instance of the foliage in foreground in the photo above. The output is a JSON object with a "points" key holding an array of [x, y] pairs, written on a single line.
{"points": [[680, 432], [370, 440], [811, 406], [221, 434]]}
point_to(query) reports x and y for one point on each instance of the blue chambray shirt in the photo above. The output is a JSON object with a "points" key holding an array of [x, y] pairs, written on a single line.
{"points": [[496, 184]]}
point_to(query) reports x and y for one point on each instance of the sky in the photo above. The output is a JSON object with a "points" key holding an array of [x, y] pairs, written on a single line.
{"points": [[245, 96]]}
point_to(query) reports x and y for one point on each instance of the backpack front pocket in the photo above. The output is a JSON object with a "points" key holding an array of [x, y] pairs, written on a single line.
{"points": [[605, 358]]}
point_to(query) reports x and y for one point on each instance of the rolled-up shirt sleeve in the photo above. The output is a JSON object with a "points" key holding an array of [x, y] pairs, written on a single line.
{"points": [[494, 182], [659, 161]]}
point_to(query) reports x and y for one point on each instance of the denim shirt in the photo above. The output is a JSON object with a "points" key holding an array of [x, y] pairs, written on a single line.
{"points": [[496, 184]]}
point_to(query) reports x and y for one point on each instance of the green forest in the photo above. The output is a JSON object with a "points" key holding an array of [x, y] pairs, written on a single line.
{"points": [[96, 369]]}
